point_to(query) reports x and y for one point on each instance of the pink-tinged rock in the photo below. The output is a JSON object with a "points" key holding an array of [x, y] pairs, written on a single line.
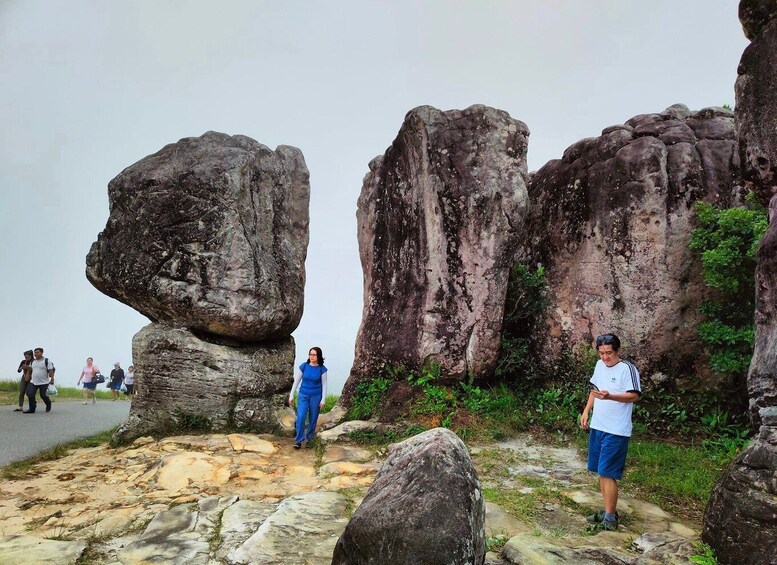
{"points": [[611, 224], [437, 219]]}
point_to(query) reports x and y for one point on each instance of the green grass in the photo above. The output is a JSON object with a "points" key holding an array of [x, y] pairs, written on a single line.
{"points": [[20, 469], [329, 402], [681, 477], [9, 393]]}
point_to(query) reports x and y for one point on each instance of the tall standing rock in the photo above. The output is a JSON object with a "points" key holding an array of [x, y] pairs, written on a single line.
{"points": [[740, 521], [209, 233], [437, 219], [611, 223]]}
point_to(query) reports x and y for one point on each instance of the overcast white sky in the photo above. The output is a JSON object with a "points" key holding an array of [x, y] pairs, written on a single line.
{"points": [[88, 88]]}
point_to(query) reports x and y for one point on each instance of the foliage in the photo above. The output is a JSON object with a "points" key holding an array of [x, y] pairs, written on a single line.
{"points": [[704, 554], [329, 402], [728, 240], [368, 395], [526, 298], [680, 476], [189, 421]]}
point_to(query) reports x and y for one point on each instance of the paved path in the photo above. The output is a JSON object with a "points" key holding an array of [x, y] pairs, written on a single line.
{"points": [[24, 435]]}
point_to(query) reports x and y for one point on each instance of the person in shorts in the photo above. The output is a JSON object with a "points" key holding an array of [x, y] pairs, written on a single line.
{"points": [[614, 390], [88, 375]]}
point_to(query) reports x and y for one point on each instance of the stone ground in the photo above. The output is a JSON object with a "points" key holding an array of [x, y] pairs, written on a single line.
{"points": [[235, 499]]}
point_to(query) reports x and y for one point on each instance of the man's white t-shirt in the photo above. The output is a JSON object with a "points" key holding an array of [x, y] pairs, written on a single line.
{"points": [[40, 374], [612, 416]]}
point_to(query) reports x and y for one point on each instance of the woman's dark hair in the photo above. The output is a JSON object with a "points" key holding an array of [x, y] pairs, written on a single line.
{"points": [[29, 352], [608, 339], [319, 353]]}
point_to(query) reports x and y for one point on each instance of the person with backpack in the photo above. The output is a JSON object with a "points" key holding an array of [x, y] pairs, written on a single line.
{"points": [[89, 374], [311, 375], [24, 369], [41, 376]]}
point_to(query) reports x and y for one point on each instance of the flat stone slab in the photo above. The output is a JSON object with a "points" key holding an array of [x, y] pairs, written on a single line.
{"points": [[32, 549]]}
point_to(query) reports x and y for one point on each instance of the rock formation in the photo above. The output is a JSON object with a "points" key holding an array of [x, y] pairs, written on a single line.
{"points": [[611, 222], [425, 506], [188, 381], [740, 521], [210, 233], [208, 238], [437, 219]]}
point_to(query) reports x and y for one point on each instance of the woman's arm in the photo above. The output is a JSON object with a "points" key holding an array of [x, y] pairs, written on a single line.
{"points": [[323, 389], [297, 380]]}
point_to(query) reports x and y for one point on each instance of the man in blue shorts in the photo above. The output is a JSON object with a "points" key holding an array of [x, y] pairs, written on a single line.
{"points": [[614, 389]]}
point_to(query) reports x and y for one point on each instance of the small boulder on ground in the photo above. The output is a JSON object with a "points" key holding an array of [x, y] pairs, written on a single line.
{"points": [[425, 507]]}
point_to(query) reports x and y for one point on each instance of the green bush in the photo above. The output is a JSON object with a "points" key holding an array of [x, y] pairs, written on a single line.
{"points": [[369, 394], [728, 240]]}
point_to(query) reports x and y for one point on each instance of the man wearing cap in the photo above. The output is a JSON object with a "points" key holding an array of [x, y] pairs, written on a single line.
{"points": [[614, 390], [117, 377]]}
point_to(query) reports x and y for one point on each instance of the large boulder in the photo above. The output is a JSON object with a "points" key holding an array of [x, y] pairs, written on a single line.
{"points": [[740, 521], [425, 507], [611, 223], [209, 233], [185, 382], [437, 219]]}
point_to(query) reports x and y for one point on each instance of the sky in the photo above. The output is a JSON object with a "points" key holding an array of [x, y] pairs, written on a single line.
{"points": [[88, 88]]}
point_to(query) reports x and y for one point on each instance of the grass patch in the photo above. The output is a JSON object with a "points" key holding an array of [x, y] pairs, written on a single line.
{"points": [[329, 403], [21, 469], [374, 438], [520, 504], [681, 477], [9, 393]]}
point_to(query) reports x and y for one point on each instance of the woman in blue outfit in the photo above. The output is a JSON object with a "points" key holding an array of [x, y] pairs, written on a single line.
{"points": [[312, 394]]}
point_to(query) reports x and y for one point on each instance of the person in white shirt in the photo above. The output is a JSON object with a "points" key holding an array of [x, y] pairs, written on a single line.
{"points": [[614, 390], [42, 375]]}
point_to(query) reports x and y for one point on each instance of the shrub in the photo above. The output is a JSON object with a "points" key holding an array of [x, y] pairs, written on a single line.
{"points": [[728, 240], [368, 396]]}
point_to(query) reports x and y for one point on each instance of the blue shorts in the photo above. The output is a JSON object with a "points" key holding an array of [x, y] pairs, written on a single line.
{"points": [[607, 454], [92, 385]]}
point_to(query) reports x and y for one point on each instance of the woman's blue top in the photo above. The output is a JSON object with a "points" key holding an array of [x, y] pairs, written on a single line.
{"points": [[311, 379]]}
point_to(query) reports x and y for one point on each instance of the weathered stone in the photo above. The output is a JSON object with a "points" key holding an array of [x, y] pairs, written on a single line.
{"points": [[425, 506], [755, 15], [334, 453], [740, 521], [756, 109], [341, 431], [31, 549], [178, 535], [209, 233], [437, 218], [527, 548], [611, 224], [301, 530], [239, 522], [183, 380]]}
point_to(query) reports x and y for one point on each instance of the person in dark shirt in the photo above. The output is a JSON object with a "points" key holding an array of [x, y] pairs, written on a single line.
{"points": [[24, 369], [117, 377]]}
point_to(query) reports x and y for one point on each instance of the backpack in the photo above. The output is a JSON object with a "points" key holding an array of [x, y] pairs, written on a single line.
{"points": [[52, 369]]}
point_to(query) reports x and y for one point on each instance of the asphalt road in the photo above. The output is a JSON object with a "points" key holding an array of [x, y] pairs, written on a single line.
{"points": [[24, 435]]}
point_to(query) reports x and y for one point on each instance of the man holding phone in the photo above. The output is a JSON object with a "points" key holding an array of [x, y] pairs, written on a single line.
{"points": [[614, 390]]}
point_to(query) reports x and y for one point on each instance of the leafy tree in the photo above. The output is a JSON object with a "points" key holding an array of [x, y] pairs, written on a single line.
{"points": [[728, 240]]}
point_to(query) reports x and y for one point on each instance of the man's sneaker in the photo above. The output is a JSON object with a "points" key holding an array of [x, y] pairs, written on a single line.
{"points": [[596, 518], [48, 408], [609, 525], [297, 445]]}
